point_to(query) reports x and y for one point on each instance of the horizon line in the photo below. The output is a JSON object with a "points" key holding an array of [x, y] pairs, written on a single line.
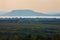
{"points": [[29, 16]]}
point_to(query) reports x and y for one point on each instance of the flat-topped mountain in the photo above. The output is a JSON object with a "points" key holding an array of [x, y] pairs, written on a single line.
{"points": [[27, 13], [24, 13]]}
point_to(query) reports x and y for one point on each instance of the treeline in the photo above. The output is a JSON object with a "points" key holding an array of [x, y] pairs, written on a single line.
{"points": [[17, 36], [29, 20]]}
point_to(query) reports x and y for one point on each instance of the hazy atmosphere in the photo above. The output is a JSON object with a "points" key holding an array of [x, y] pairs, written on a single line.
{"points": [[29, 19], [39, 5]]}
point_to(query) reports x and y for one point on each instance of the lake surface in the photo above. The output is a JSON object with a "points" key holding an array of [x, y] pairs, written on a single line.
{"points": [[29, 16]]}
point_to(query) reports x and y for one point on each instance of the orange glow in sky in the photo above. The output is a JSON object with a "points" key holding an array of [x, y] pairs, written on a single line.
{"points": [[39, 5]]}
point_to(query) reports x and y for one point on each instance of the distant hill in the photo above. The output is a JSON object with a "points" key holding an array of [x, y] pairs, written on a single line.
{"points": [[54, 14], [24, 13], [27, 13]]}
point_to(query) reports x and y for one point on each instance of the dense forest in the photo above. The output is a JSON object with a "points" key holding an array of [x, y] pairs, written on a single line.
{"points": [[29, 29], [29, 20]]}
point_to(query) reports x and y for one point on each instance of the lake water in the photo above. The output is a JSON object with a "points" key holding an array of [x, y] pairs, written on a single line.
{"points": [[29, 16]]}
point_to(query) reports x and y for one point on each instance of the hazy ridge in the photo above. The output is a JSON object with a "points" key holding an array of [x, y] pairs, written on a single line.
{"points": [[27, 13]]}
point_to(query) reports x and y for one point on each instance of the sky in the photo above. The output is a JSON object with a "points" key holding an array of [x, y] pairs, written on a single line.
{"points": [[37, 5]]}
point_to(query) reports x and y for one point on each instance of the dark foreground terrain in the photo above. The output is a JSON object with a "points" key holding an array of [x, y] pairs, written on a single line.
{"points": [[29, 30]]}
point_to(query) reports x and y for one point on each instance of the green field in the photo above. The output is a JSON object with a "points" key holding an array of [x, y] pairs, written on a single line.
{"points": [[29, 31]]}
